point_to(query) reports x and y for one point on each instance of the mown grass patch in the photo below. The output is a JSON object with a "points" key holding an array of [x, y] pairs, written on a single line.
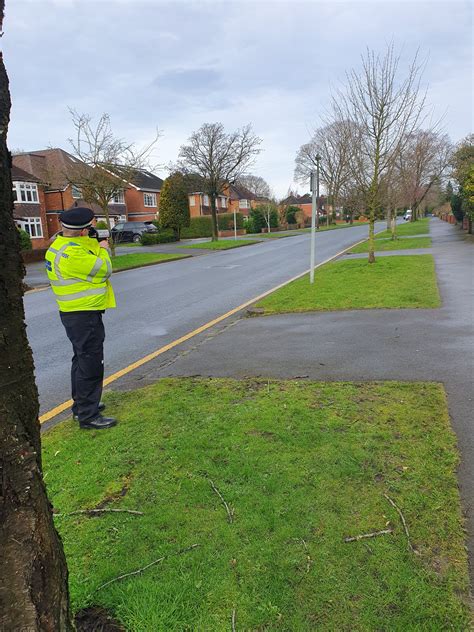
{"points": [[139, 259], [420, 227], [302, 465], [390, 282], [394, 244], [221, 245]]}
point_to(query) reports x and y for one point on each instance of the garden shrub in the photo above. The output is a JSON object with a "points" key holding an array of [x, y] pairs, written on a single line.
{"points": [[25, 240], [164, 237]]}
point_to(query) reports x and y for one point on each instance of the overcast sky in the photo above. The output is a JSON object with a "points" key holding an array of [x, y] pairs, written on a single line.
{"points": [[176, 65]]}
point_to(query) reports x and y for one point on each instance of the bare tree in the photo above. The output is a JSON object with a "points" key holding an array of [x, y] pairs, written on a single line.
{"points": [[256, 185], [333, 144], [422, 164], [219, 158], [385, 110], [106, 164], [33, 572]]}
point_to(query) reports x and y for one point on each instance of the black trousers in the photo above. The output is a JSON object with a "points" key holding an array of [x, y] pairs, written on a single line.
{"points": [[86, 332]]}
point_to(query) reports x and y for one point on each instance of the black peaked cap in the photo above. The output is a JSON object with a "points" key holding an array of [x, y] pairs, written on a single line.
{"points": [[77, 218]]}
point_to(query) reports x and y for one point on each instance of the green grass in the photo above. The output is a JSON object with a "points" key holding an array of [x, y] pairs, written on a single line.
{"points": [[221, 244], [128, 244], [391, 282], [397, 244], [420, 227], [137, 260], [303, 465]]}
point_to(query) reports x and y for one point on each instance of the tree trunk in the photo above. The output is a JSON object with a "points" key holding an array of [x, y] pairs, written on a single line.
{"points": [[33, 572], [372, 210], [215, 235], [394, 225]]}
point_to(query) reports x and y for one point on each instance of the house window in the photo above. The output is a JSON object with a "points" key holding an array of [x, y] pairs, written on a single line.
{"points": [[192, 200], [149, 199], [76, 192], [243, 204], [33, 226], [25, 192], [205, 200], [224, 202], [118, 198]]}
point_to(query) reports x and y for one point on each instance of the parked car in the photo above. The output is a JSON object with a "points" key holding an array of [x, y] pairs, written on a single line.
{"points": [[407, 216], [131, 231]]}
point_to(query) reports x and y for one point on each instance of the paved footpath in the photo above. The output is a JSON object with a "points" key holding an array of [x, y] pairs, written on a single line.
{"points": [[404, 344]]}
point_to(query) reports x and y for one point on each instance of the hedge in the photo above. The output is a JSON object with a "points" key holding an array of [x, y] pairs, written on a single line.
{"points": [[163, 237], [198, 227], [225, 221]]}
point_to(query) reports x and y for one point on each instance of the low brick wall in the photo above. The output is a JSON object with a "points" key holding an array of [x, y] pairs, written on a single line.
{"points": [[30, 256], [230, 233]]}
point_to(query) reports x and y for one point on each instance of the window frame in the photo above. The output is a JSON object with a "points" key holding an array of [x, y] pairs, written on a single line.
{"points": [[152, 196], [33, 222], [20, 186], [121, 197], [76, 189]]}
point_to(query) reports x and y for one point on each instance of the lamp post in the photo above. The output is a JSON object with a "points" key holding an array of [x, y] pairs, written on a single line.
{"points": [[318, 158], [314, 186]]}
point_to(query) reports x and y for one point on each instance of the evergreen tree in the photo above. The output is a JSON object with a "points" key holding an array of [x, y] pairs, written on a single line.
{"points": [[174, 203]]}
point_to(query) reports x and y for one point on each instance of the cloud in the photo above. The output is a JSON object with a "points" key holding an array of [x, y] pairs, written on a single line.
{"points": [[193, 80], [176, 65]]}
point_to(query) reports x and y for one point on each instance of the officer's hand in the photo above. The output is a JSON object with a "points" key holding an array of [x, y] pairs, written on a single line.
{"points": [[104, 244]]}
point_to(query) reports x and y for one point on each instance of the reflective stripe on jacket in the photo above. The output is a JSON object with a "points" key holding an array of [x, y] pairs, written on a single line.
{"points": [[79, 270]]}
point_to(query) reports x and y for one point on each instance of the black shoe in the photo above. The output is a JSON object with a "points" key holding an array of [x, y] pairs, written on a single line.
{"points": [[98, 423], [101, 408]]}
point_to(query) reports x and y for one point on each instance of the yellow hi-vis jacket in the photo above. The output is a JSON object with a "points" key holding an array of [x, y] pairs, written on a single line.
{"points": [[79, 270]]}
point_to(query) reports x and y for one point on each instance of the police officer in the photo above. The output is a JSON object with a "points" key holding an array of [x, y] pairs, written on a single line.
{"points": [[79, 268]]}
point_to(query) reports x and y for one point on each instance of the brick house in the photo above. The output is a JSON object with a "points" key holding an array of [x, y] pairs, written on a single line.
{"points": [[235, 198], [304, 202], [200, 204], [139, 200], [29, 212]]}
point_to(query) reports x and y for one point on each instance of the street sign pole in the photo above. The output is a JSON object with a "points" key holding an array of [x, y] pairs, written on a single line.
{"points": [[235, 223], [313, 227]]}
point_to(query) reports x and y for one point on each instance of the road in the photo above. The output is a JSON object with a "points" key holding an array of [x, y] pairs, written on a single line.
{"points": [[158, 304]]}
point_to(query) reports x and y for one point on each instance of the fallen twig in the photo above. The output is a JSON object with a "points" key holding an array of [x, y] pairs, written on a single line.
{"points": [[144, 568], [233, 620], [96, 511], [309, 561], [230, 512], [404, 522], [363, 536]]}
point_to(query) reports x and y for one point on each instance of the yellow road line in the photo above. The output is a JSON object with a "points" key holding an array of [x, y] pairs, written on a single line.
{"points": [[151, 356]]}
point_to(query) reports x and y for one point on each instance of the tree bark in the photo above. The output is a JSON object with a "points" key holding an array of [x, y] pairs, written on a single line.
{"points": [[33, 572], [215, 235]]}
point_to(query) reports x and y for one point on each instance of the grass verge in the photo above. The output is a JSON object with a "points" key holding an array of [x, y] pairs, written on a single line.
{"points": [[420, 227], [302, 465], [221, 245], [390, 282], [138, 260], [382, 245]]}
